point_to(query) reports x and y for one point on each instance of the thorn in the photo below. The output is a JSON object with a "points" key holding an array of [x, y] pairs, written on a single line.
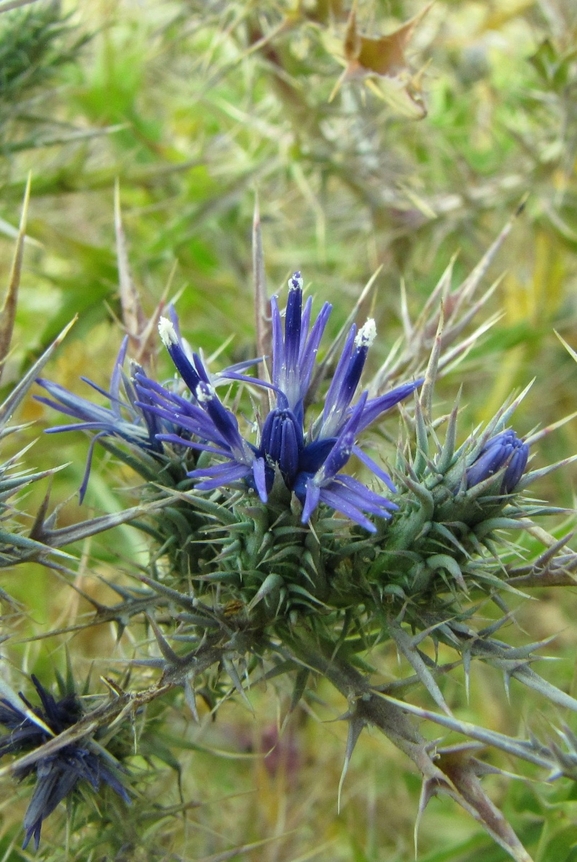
{"points": [[165, 648], [426, 395], [190, 698], [356, 726], [114, 688], [133, 317], [233, 674], [521, 207], [261, 302], [8, 311]]}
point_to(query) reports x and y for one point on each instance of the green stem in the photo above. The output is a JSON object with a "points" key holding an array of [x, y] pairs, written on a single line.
{"points": [[366, 705]]}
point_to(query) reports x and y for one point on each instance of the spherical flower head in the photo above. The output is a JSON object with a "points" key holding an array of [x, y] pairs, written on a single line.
{"points": [[309, 459], [503, 451]]}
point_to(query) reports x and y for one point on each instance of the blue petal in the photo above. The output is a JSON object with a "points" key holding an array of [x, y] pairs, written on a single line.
{"points": [[515, 469], [259, 472], [376, 406], [374, 467], [343, 446], [333, 497], [312, 498], [220, 475]]}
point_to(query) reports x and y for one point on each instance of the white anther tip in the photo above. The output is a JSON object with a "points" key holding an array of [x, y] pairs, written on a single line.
{"points": [[167, 332], [204, 393], [366, 334], [296, 282]]}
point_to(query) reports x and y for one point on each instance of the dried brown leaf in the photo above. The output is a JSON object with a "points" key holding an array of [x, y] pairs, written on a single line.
{"points": [[383, 57]]}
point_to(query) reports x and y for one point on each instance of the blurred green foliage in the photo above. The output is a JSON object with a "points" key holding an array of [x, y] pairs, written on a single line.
{"points": [[34, 43], [194, 105]]}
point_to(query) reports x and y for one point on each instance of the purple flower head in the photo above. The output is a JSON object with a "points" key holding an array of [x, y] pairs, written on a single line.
{"points": [[57, 774], [504, 450], [309, 459]]}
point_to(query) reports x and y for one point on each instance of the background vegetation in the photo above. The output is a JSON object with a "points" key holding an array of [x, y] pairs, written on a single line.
{"points": [[193, 106]]}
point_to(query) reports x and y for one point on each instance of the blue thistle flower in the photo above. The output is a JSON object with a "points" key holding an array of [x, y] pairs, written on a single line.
{"points": [[504, 450], [58, 774], [309, 462]]}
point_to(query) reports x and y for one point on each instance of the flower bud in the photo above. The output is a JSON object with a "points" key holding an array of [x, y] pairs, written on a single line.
{"points": [[503, 450]]}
